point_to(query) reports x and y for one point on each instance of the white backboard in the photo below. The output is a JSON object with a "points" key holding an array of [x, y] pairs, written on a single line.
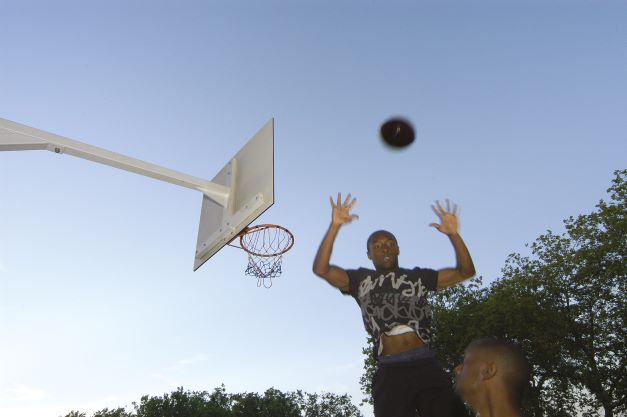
{"points": [[250, 177], [238, 194]]}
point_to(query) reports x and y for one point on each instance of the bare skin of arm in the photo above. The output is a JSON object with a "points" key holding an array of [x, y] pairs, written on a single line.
{"points": [[449, 225], [340, 215]]}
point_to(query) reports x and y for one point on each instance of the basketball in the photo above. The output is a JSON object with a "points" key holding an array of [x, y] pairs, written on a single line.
{"points": [[397, 133]]}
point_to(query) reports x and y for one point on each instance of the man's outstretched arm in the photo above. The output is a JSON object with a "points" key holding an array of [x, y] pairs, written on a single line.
{"points": [[334, 275], [450, 226]]}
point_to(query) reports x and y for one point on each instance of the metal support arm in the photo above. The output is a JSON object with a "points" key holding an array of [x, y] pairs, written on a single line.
{"points": [[18, 137]]}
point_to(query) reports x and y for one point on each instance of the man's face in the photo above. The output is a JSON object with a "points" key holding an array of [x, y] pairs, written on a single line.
{"points": [[383, 251], [467, 376]]}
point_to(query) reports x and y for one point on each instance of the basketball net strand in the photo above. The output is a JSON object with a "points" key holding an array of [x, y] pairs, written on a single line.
{"points": [[264, 268], [265, 253]]}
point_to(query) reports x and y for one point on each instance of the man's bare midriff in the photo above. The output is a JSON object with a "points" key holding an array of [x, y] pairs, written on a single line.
{"points": [[401, 343]]}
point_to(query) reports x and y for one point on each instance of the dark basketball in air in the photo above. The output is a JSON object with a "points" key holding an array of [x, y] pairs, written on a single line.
{"points": [[397, 133]]}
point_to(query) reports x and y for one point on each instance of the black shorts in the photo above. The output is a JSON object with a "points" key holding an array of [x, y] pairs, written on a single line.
{"points": [[399, 390]]}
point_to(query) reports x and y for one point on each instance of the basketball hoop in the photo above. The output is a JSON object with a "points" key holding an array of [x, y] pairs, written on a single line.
{"points": [[265, 245]]}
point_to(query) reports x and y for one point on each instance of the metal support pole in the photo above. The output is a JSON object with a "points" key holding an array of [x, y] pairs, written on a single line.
{"points": [[18, 137]]}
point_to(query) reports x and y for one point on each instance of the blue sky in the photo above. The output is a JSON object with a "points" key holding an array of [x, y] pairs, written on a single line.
{"points": [[519, 109]]}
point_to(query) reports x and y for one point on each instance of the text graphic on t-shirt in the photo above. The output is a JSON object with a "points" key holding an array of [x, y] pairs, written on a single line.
{"points": [[412, 288]]}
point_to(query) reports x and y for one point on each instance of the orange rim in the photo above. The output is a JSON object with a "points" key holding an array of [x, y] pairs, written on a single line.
{"points": [[259, 228]]}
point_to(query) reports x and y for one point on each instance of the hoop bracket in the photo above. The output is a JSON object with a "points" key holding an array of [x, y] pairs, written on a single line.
{"points": [[227, 231]]}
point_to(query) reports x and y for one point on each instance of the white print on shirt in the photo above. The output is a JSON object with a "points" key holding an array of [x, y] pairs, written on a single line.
{"points": [[390, 307], [415, 288], [387, 301]]}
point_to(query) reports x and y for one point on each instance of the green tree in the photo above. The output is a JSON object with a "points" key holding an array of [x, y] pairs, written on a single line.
{"points": [[182, 403], [370, 367], [118, 412], [326, 405], [272, 403], [219, 403], [579, 282], [564, 304]]}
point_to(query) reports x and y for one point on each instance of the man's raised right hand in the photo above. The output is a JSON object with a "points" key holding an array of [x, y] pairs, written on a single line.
{"points": [[341, 211]]}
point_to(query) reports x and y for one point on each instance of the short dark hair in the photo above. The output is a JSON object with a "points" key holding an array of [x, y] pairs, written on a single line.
{"points": [[517, 371], [379, 232]]}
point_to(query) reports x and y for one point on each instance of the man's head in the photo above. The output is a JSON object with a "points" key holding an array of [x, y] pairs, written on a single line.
{"points": [[493, 370], [383, 250]]}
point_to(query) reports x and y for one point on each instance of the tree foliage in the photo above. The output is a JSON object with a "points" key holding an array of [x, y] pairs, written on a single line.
{"points": [[219, 403], [564, 304]]}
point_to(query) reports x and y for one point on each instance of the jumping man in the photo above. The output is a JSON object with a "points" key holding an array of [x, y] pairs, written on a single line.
{"points": [[396, 314]]}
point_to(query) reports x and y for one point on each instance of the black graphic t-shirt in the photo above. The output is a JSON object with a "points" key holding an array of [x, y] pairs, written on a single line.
{"points": [[390, 299]]}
